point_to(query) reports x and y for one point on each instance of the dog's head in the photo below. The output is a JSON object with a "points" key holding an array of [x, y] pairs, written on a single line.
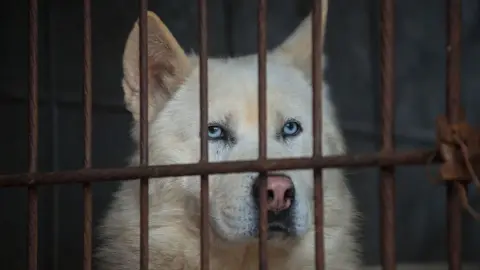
{"points": [[233, 132]]}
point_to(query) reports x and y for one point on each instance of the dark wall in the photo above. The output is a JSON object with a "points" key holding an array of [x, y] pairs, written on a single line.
{"points": [[352, 48]]}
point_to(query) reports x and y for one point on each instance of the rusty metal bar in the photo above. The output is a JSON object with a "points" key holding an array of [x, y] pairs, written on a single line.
{"points": [[33, 136], [262, 123], [87, 89], [454, 32], [204, 191], [419, 157], [143, 50], [317, 81], [387, 173]]}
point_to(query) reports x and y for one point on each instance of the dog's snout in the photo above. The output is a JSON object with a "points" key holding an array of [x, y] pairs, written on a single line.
{"points": [[280, 192]]}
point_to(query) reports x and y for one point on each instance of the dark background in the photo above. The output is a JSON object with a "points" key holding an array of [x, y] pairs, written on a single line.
{"points": [[353, 50]]}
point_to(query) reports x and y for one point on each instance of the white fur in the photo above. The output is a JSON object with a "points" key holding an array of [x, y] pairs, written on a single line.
{"points": [[174, 138]]}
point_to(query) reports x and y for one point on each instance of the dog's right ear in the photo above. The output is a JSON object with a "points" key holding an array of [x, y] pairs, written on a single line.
{"points": [[168, 67]]}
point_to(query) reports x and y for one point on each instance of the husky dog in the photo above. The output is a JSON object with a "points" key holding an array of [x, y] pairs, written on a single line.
{"points": [[173, 110]]}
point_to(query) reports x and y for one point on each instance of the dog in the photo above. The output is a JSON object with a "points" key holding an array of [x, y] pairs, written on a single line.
{"points": [[174, 203]]}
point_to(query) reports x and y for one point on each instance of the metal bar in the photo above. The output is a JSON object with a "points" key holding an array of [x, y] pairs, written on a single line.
{"points": [[204, 191], [262, 131], [419, 157], [454, 24], [317, 81], [387, 173], [33, 136], [143, 50], [53, 104], [87, 89]]}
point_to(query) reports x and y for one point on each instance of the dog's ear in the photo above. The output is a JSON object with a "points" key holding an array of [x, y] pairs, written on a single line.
{"points": [[168, 66], [297, 48]]}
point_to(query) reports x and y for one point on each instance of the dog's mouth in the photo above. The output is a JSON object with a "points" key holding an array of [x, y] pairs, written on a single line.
{"points": [[278, 227], [278, 230]]}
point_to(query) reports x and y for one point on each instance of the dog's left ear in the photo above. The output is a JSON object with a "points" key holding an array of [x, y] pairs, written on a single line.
{"points": [[297, 48], [168, 67]]}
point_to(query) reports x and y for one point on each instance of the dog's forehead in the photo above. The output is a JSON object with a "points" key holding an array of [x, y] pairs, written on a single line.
{"points": [[233, 91], [234, 81]]}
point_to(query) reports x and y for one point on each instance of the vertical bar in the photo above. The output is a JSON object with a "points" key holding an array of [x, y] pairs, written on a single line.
{"points": [[317, 80], [204, 212], [87, 89], [33, 136], [262, 122], [387, 178], [54, 139], [143, 134], [453, 47]]}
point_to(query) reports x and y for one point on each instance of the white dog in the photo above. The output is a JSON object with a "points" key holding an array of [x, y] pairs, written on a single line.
{"points": [[233, 135]]}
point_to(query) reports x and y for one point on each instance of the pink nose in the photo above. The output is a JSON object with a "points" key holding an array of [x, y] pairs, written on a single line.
{"points": [[280, 192]]}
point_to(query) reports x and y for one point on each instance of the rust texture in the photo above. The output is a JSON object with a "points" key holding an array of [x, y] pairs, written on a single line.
{"points": [[454, 116], [262, 120], [204, 191], [317, 79], [87, 89], [459, 148], [387, 173], [143, 65], [417, 157], [33, 136]]}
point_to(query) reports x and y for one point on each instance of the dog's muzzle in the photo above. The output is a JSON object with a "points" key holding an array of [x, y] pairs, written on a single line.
{"points": [[280, 197]]}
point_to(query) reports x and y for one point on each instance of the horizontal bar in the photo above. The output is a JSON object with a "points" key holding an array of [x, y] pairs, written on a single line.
{"points": [[418, 157]]}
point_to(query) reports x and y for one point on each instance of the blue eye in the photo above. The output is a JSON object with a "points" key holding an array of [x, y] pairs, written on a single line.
{"points": [[291, 128], [216, 132]]}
